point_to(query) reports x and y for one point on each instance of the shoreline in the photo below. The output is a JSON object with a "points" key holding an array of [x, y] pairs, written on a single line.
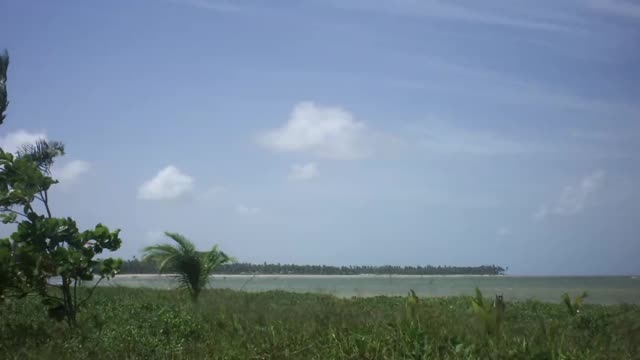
{"points": [[308, 276], [321, 276]]}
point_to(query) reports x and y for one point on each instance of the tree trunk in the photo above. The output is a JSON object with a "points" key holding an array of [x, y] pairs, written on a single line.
{"points": [[69, 303], [194, 294]]}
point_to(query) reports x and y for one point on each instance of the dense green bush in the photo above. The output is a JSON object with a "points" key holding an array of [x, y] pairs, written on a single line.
{"points": [[130, 323]]}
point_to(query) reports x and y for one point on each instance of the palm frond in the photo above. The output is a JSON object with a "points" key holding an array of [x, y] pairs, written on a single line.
{"points": [[4, 66], [42, 152], [159, 250], [185, 244], [168, 263], [215, 258], [192, 267], [164, 255]]}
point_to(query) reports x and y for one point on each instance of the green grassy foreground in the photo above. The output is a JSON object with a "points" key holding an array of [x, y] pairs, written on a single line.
{"points": [[126, 323]]}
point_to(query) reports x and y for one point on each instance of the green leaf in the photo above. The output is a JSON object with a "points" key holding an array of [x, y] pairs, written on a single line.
{"points": [[8, 218]]}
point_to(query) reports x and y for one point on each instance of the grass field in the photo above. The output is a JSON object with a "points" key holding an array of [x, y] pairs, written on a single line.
{"points": [[129, 323]]}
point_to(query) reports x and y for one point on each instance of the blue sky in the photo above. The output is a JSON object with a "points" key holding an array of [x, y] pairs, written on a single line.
{"points": [[342, 132]]}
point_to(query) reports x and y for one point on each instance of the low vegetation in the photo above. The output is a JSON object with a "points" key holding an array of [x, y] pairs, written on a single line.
{"points": [[122, 323]]}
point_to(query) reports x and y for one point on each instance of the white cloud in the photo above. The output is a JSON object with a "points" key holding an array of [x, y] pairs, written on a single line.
{"points": [[324, 131], [473, 143], [440, 137], [450, 11], [12, 141], [303, 171], [70, 171], [169, 183], [573, 198], [246, 210], [66, 173]]}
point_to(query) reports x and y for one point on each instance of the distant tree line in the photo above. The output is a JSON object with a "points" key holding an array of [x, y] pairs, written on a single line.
{"points": [[137, 266]]}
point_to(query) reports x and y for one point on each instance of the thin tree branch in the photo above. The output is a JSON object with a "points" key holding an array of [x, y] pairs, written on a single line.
{"points": [[13, 211], [91, 291], [45, 196], [246, 282], [75, 294], [51, 297]]}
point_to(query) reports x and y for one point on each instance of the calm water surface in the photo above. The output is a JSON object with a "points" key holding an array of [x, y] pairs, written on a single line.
{"points": [[601, 289]]}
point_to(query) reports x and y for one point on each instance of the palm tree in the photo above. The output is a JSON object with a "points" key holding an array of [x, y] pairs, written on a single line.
{"points": [[192, 267], [4, 65], [42, 152]]}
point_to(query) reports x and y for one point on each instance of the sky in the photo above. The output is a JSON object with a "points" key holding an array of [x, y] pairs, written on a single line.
{"points": [[341, 132]]}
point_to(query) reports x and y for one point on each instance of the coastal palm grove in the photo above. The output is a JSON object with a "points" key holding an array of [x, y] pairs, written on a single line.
{"points": [[137, 266]]}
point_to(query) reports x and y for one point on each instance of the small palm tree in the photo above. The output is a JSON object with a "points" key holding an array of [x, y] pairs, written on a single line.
{"points": [[42, 152], [192, 267]]}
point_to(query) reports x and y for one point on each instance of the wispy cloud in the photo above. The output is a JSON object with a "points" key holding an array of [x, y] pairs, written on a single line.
{"points": [[617, 7], [492, 84], [573, 198], [447, 10], [459, 141], [247, 210], [439, 137], [214, 5], [620, 143], [518, 90], [300, 172]]}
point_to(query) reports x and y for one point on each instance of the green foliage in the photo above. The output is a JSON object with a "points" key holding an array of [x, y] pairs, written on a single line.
{"points": [[20, 183], [412, 303], [490, 315], [125, 323], [192, 267], [42, 152], [573, 307], [44, 247]]}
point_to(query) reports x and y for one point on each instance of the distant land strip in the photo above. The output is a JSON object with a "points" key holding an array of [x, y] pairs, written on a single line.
{"points": [[137, 266]]}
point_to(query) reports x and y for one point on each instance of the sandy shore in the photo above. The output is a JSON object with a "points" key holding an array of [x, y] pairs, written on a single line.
{"points": [[305, 276]]}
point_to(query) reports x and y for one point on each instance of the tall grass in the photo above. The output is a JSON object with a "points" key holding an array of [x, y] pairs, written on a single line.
{"points": [[126, 323]]}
